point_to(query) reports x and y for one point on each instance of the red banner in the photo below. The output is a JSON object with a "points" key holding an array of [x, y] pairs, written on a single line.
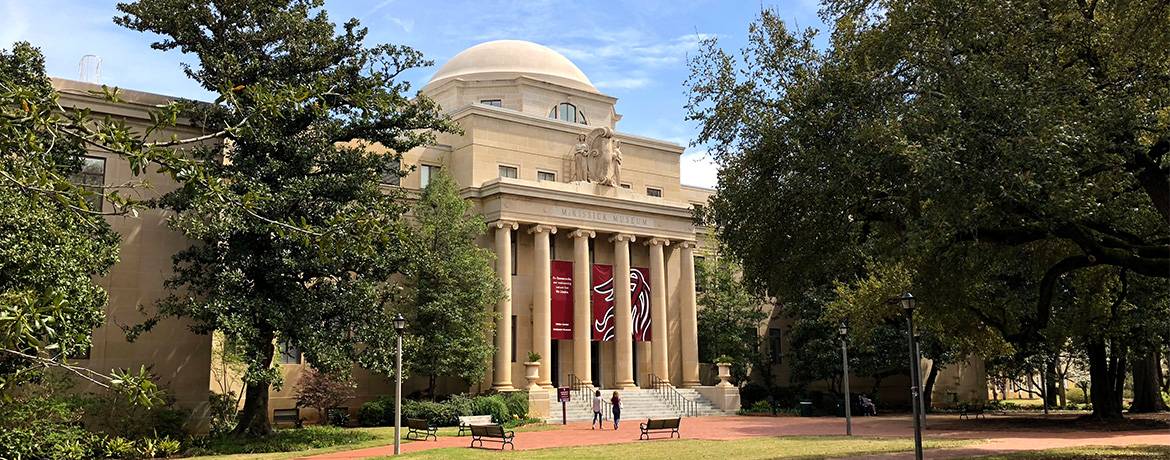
{"points": [[602, 295], [640, 303], [562, 300]]}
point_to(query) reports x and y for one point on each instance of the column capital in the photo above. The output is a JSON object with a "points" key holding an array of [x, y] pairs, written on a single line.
{"points": [[622, 237], [583, 233], [541, 228], [657, 242], [503, 224], [688, 245]]}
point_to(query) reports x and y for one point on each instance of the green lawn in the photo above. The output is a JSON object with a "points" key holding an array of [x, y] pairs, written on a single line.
{"points": [[312, 440], [1089, 453], [753, 448]]}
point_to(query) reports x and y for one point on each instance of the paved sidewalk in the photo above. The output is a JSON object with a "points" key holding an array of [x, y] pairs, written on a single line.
{"points": [[729, 428]]}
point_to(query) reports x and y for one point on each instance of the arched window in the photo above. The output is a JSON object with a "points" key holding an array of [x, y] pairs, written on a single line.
{"points": [[567, 112]]}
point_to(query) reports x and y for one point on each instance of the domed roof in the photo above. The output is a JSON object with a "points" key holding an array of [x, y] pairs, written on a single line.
{"points": [[511, 58]]}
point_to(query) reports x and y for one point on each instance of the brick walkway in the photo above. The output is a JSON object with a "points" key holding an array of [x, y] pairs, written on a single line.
{"points": [[728, 428]]}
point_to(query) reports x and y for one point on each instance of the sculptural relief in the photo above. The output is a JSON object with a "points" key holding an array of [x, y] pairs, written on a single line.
{"points": [[597, 158]]}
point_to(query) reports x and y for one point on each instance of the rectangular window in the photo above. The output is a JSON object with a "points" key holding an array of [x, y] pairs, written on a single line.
{"points": [[651, 191], [289, 354], [627, 186], [546, 176], [509, 171], [513, 249], [492, 102], [391, 177], [774, 345], [92, 177], [426, 172], [513, 338]]}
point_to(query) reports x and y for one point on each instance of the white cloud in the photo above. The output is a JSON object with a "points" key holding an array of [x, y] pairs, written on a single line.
{"points": [[699, 169], [407, 25], [623, 83]]}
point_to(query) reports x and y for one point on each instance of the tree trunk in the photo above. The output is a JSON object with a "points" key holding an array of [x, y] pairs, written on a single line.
{"points": [[1107, 375], [254, 421], [928, 391], [431, 387], [1050, 388], [1146, 394]]}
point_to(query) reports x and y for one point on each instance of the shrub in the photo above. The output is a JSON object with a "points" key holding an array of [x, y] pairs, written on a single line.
{"points": [[521, 422], [461, 404], [119, 447], [36, 422], [168, 447], [372, 413], [222, 412], [311, 437], [323, 391], [112, 414], [752, 392], [786, 397], [517, 402], [494, 406], [437, 414]]}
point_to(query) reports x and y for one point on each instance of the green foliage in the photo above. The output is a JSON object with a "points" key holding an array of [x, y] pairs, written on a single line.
{"points": [[533, 357], [311, 111], [493, 405], [450, 287], [290, 440], [372, 413], [1005, 161], [111, 414], [517, 402], [728, 317], [222, 411], [437, 414]]}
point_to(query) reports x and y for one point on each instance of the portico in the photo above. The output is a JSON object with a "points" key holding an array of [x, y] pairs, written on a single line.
{"points": [[586, 224]]}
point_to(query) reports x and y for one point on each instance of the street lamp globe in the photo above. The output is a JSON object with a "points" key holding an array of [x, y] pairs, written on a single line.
{"points": [[399, 323], [907, 300]]}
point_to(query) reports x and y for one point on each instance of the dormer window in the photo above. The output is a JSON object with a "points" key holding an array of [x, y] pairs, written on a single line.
{"points": [[567, 112]]}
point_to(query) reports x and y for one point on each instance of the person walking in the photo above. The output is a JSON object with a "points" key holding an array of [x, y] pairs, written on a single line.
{"points": [[616, 401], [597, 420]]}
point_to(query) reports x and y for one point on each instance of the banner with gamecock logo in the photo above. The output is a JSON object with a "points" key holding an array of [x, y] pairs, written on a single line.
{"points": [[604, 322]]}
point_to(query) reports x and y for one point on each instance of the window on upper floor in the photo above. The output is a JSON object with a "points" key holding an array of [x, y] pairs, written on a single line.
{"points": [[289, 354], [392, 177], [425, 174], [92, 177], [651, 191], [492, 102], [627, 186], [546, 175], [510, 172], [567, 112]]}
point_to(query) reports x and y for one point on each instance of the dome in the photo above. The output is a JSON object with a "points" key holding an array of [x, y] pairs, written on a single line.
{"points": [[502, 59]]}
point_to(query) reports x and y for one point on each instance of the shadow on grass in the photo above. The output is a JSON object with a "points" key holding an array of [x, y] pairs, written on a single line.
{"points": [[1089, 453]]}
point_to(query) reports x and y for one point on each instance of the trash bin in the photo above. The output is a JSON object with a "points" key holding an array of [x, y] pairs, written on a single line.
{"points": [[806, 409]]}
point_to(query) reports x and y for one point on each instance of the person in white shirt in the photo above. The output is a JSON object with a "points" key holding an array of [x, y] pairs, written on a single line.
{"points": [[597, 411]]}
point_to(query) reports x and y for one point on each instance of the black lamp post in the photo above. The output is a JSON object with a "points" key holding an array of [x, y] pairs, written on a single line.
{"points": [[400, 327], [908, 304], [843, 332]]}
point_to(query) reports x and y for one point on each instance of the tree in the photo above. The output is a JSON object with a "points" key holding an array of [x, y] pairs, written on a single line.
{"points": [[323, 391], [54, 239], [997, 150], [450, 288], [310, 113], [729, 315]]}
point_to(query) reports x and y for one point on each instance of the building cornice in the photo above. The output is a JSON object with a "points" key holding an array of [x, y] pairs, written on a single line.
{"points": [[501, 113]]}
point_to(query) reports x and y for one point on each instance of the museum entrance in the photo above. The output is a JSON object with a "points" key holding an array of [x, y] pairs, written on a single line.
{"points": [[556, 363], [595, 362]]}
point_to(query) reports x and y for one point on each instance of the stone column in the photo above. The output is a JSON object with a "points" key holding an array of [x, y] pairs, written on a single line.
{"points": [[542, 301], [624, 329], [658, 319], [689, 318], [502, 372], [582, 306]]}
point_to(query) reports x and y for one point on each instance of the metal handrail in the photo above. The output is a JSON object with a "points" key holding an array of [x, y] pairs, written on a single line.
{"points": [[584, 392], [670, 395]]}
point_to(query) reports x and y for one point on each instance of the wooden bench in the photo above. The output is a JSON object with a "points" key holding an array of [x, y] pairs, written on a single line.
{"points": [[971, 410], [664, 424], [465, 422], [287, 417], [419, 427], [493, 433]]}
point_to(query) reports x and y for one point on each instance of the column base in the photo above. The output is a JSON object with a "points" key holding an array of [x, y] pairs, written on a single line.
{"points": [[503, 387], [690, 384], [625, 385]]}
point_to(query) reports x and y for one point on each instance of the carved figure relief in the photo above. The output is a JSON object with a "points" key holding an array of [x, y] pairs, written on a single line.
{"points": [[597, 158]]}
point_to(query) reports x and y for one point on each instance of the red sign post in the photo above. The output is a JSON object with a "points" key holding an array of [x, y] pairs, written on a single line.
{"points": [[563, 397]]}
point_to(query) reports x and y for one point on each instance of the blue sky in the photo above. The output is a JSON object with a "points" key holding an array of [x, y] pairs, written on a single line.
{"points": [[633, 50]]}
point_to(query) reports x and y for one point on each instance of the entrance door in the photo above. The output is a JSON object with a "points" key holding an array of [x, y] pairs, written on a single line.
{"points": [[556, 363], [634, 362], [595, 361]]}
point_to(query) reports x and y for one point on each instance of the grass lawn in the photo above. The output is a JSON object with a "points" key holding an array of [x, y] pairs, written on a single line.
{"points": [[312, 440], [753, 448], [1089, 453]]}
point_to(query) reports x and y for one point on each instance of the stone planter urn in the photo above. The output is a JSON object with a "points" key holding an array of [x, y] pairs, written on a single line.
{"points": [[724, 374], [532, 373]]}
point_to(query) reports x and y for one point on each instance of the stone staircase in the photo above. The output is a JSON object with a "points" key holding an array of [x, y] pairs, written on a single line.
{"points": [[636, 404]]}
